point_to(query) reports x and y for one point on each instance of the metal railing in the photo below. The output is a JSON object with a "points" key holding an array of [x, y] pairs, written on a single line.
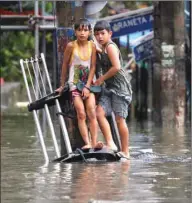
{"points": [[38, 86]]}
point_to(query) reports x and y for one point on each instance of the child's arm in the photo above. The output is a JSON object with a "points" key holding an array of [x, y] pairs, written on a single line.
{"points": [[114, 58], [86, 89], [92, 67], [66, 61], [98, 48]]}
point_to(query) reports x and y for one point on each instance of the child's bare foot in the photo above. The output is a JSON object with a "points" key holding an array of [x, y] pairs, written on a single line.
{"points": [[124, 155], [112, 146], [87, 146], [98, 145]]}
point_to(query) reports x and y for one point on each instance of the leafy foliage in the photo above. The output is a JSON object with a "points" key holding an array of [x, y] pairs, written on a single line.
{"points": [[18, 44], [14, 46]]}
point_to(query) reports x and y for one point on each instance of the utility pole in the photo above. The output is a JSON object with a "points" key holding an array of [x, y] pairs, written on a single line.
{"points": [[68, 12], [169, 64]]}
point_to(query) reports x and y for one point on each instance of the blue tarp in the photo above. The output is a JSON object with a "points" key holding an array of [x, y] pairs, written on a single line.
{"points": [[132, 24]]}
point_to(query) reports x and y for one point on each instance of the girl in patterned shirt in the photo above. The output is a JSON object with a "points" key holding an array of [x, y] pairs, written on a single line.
{"points": [[80, 57]]}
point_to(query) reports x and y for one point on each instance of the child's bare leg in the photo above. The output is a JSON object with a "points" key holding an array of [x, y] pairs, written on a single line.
{"points": [[81, 116], [105, 127], [91, 113], [90, 109], [124, 134]]}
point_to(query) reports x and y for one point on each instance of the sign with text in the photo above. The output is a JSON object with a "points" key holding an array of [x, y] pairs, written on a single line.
{"points": [[132, 24], [168, 55], [143, 50]]}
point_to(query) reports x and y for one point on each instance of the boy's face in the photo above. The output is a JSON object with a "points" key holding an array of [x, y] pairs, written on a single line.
{"points": [[103, 36]]}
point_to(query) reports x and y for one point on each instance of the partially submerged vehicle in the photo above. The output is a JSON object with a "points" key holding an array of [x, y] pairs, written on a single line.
{"points": [[41, 96]]}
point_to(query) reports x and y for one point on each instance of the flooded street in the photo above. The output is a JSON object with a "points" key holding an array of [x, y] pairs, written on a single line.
{"points": [[145, 179]]}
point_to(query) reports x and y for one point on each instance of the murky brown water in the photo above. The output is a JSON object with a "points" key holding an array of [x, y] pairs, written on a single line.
{"points": [[25, 180]]}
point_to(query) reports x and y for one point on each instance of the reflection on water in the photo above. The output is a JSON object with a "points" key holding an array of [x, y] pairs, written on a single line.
{"points": [[23, 179]]}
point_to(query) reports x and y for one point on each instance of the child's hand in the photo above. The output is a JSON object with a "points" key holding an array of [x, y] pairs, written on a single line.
{"points": [[99, 81], [98, 47], [85, 93], [99, 50], [59, 90]]}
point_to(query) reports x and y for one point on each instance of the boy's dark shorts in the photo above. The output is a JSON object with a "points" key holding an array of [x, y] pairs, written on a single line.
{"points": [[112, 102]]}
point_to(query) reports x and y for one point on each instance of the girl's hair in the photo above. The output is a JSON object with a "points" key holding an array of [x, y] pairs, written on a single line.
{"points": [[82, 22], [102, 25]]}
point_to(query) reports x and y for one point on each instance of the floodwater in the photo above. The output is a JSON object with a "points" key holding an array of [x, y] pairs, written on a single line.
{"points": [[24, 179]]}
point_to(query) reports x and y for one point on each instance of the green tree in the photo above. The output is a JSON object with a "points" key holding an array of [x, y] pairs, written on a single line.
{"points": [[14, 46]]}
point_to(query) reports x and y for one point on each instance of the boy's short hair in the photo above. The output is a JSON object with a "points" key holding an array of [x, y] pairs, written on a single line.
{"points": [[102, 25], [84, 22]]}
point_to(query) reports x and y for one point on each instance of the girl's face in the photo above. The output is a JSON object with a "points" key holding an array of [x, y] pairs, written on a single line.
{"points": [[103, 36], [82, 33]]}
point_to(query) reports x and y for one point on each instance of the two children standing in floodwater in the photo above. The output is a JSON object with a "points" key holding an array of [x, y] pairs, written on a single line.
{"points": [[116, 95]]}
